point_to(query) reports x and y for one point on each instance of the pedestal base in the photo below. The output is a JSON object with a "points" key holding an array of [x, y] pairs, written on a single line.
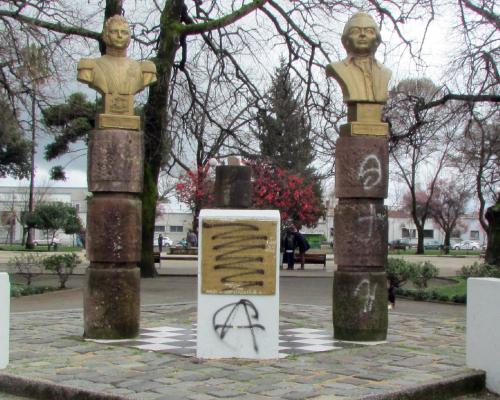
{"points": [[360, 306], [111, 303]]}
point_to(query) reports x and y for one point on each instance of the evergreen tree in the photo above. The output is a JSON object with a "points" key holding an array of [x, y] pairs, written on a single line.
{"points": [[283, 130]]}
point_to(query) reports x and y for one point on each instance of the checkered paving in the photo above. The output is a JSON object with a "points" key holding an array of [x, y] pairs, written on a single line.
{"points": [[182, 341]]}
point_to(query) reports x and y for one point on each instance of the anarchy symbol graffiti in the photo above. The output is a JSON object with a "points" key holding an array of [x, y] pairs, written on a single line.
{"points": [[370, 172]]}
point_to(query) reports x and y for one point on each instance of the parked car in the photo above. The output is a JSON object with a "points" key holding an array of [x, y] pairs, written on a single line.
{"points": [[45, 242], [399, 244], [467, 245], [433, 245], [166, 241]]}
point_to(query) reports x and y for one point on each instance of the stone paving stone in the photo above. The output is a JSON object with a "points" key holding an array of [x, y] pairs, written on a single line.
{"points": [[224, 393], [418, 350], [300, 395]]}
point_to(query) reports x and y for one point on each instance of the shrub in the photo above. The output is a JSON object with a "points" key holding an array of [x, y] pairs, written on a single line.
{"points": [[422, 273], [63, 265], [459, 298], [398, 271], [478, 270], [27, 265], [421, 295]]}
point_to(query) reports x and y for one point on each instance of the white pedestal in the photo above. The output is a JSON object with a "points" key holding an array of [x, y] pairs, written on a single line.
{"points": [[4, 319], [483, 328], [243, 245]]}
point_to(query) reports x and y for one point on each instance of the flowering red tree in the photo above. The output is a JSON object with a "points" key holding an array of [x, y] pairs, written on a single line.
{"points": [[273, 188], [276, 188], [195, 189]]}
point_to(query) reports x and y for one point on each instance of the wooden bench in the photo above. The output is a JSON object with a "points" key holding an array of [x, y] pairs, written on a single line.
{"points": [[311, 258]]}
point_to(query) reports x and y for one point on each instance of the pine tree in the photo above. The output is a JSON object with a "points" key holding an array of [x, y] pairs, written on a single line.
{"points": [[283, 131]]}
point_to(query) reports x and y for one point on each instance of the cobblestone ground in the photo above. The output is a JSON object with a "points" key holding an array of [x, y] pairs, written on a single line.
{"points": [[48, 346]]}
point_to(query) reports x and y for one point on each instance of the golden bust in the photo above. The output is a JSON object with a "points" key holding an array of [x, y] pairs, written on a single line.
{"points": [[361, 77], [114, 75]]}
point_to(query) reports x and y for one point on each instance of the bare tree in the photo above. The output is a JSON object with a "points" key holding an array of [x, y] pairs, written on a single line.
{"points": [[241, 36], [420, 141], [447, 206]]}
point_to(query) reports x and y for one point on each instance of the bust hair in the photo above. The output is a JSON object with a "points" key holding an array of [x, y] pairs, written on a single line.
{"points": [[352, 22]]}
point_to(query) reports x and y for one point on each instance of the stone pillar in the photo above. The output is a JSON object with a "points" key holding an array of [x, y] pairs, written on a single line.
{"points": [[115, 173], [4, 319], [360, 223]]}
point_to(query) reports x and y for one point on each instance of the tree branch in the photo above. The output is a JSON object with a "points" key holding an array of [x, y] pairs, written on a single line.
{"points": [[56, 27], [221, 22]]}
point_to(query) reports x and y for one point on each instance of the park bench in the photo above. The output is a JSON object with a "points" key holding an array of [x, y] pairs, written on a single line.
{"points": [[311, 258]]}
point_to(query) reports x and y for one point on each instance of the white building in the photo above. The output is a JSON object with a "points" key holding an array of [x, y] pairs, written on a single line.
{"points": [[14, 202]]}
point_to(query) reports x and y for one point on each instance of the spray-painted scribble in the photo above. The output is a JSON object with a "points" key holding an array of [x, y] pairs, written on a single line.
{"points": [[371, 219], [250, 314], [367, 292], [232, 253], [370, 172]]}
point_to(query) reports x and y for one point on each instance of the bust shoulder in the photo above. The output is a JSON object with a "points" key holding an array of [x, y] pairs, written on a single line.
{"points": [[86, 63], [148, 66]]}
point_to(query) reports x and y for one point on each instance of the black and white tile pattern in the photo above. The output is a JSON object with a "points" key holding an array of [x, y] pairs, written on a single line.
{"points": [[182, 341]]}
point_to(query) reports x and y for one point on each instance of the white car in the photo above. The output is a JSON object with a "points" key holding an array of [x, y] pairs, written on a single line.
{"points": [[45, 242], [467, 245], [166, 241]]}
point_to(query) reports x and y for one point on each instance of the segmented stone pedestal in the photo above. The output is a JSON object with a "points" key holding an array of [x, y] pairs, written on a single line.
{"points": [[360, 223], [115, 173]]}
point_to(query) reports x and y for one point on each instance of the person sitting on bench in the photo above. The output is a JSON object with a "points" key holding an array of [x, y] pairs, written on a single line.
{"points": [[303, 246]]}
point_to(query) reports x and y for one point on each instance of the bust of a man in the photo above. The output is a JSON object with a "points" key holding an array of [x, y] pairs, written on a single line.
{"points": [[114, 75], [361, 77]]}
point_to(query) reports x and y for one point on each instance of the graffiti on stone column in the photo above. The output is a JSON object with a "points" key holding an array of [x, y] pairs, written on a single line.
{"points": [[242, 315], [367, 293], [371, 219], [370, 172]]}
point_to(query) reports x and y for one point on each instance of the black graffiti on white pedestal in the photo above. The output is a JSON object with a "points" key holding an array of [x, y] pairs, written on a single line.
{"points": [[250, 313]]}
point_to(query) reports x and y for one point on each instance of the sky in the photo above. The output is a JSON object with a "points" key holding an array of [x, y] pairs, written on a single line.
{"points": [[401, 65]]}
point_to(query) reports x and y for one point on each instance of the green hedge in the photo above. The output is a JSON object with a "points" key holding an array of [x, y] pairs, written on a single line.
{"points": [[314, 239]]}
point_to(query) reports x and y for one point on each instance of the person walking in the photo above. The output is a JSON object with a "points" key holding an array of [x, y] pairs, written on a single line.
{"points": [[303, 245], [289, 245], [160, 242]]}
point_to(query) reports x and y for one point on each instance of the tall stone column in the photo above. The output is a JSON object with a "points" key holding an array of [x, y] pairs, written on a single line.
{"points": [[115, 176], [361, 180], [111, 295]]}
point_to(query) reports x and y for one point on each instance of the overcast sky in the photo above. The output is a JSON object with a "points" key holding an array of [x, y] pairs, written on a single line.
{"points": [[401, 65]]}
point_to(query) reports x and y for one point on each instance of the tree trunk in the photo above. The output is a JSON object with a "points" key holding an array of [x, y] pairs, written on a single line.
{"points": [[420, 239], [29, 238], [447, 236], [493, 247], [156, 141]]}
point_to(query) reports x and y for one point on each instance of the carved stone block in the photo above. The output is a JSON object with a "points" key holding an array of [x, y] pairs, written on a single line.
{"points": [[111, 303], [114, 228], [360, 306], [233, 188], [360, 233], [115, 161], [361, 167]]}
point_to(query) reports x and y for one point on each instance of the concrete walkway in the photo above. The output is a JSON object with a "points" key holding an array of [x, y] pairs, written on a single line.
{"points": [[423, 356]]}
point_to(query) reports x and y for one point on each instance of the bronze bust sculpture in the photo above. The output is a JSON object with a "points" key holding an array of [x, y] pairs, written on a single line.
{"points": [[114, 75], [361, 77]]}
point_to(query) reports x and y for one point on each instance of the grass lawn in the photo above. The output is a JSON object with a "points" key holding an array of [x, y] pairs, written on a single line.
{"points": [[20, 289], [453, 253], [453, 289], [38, 249]]}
